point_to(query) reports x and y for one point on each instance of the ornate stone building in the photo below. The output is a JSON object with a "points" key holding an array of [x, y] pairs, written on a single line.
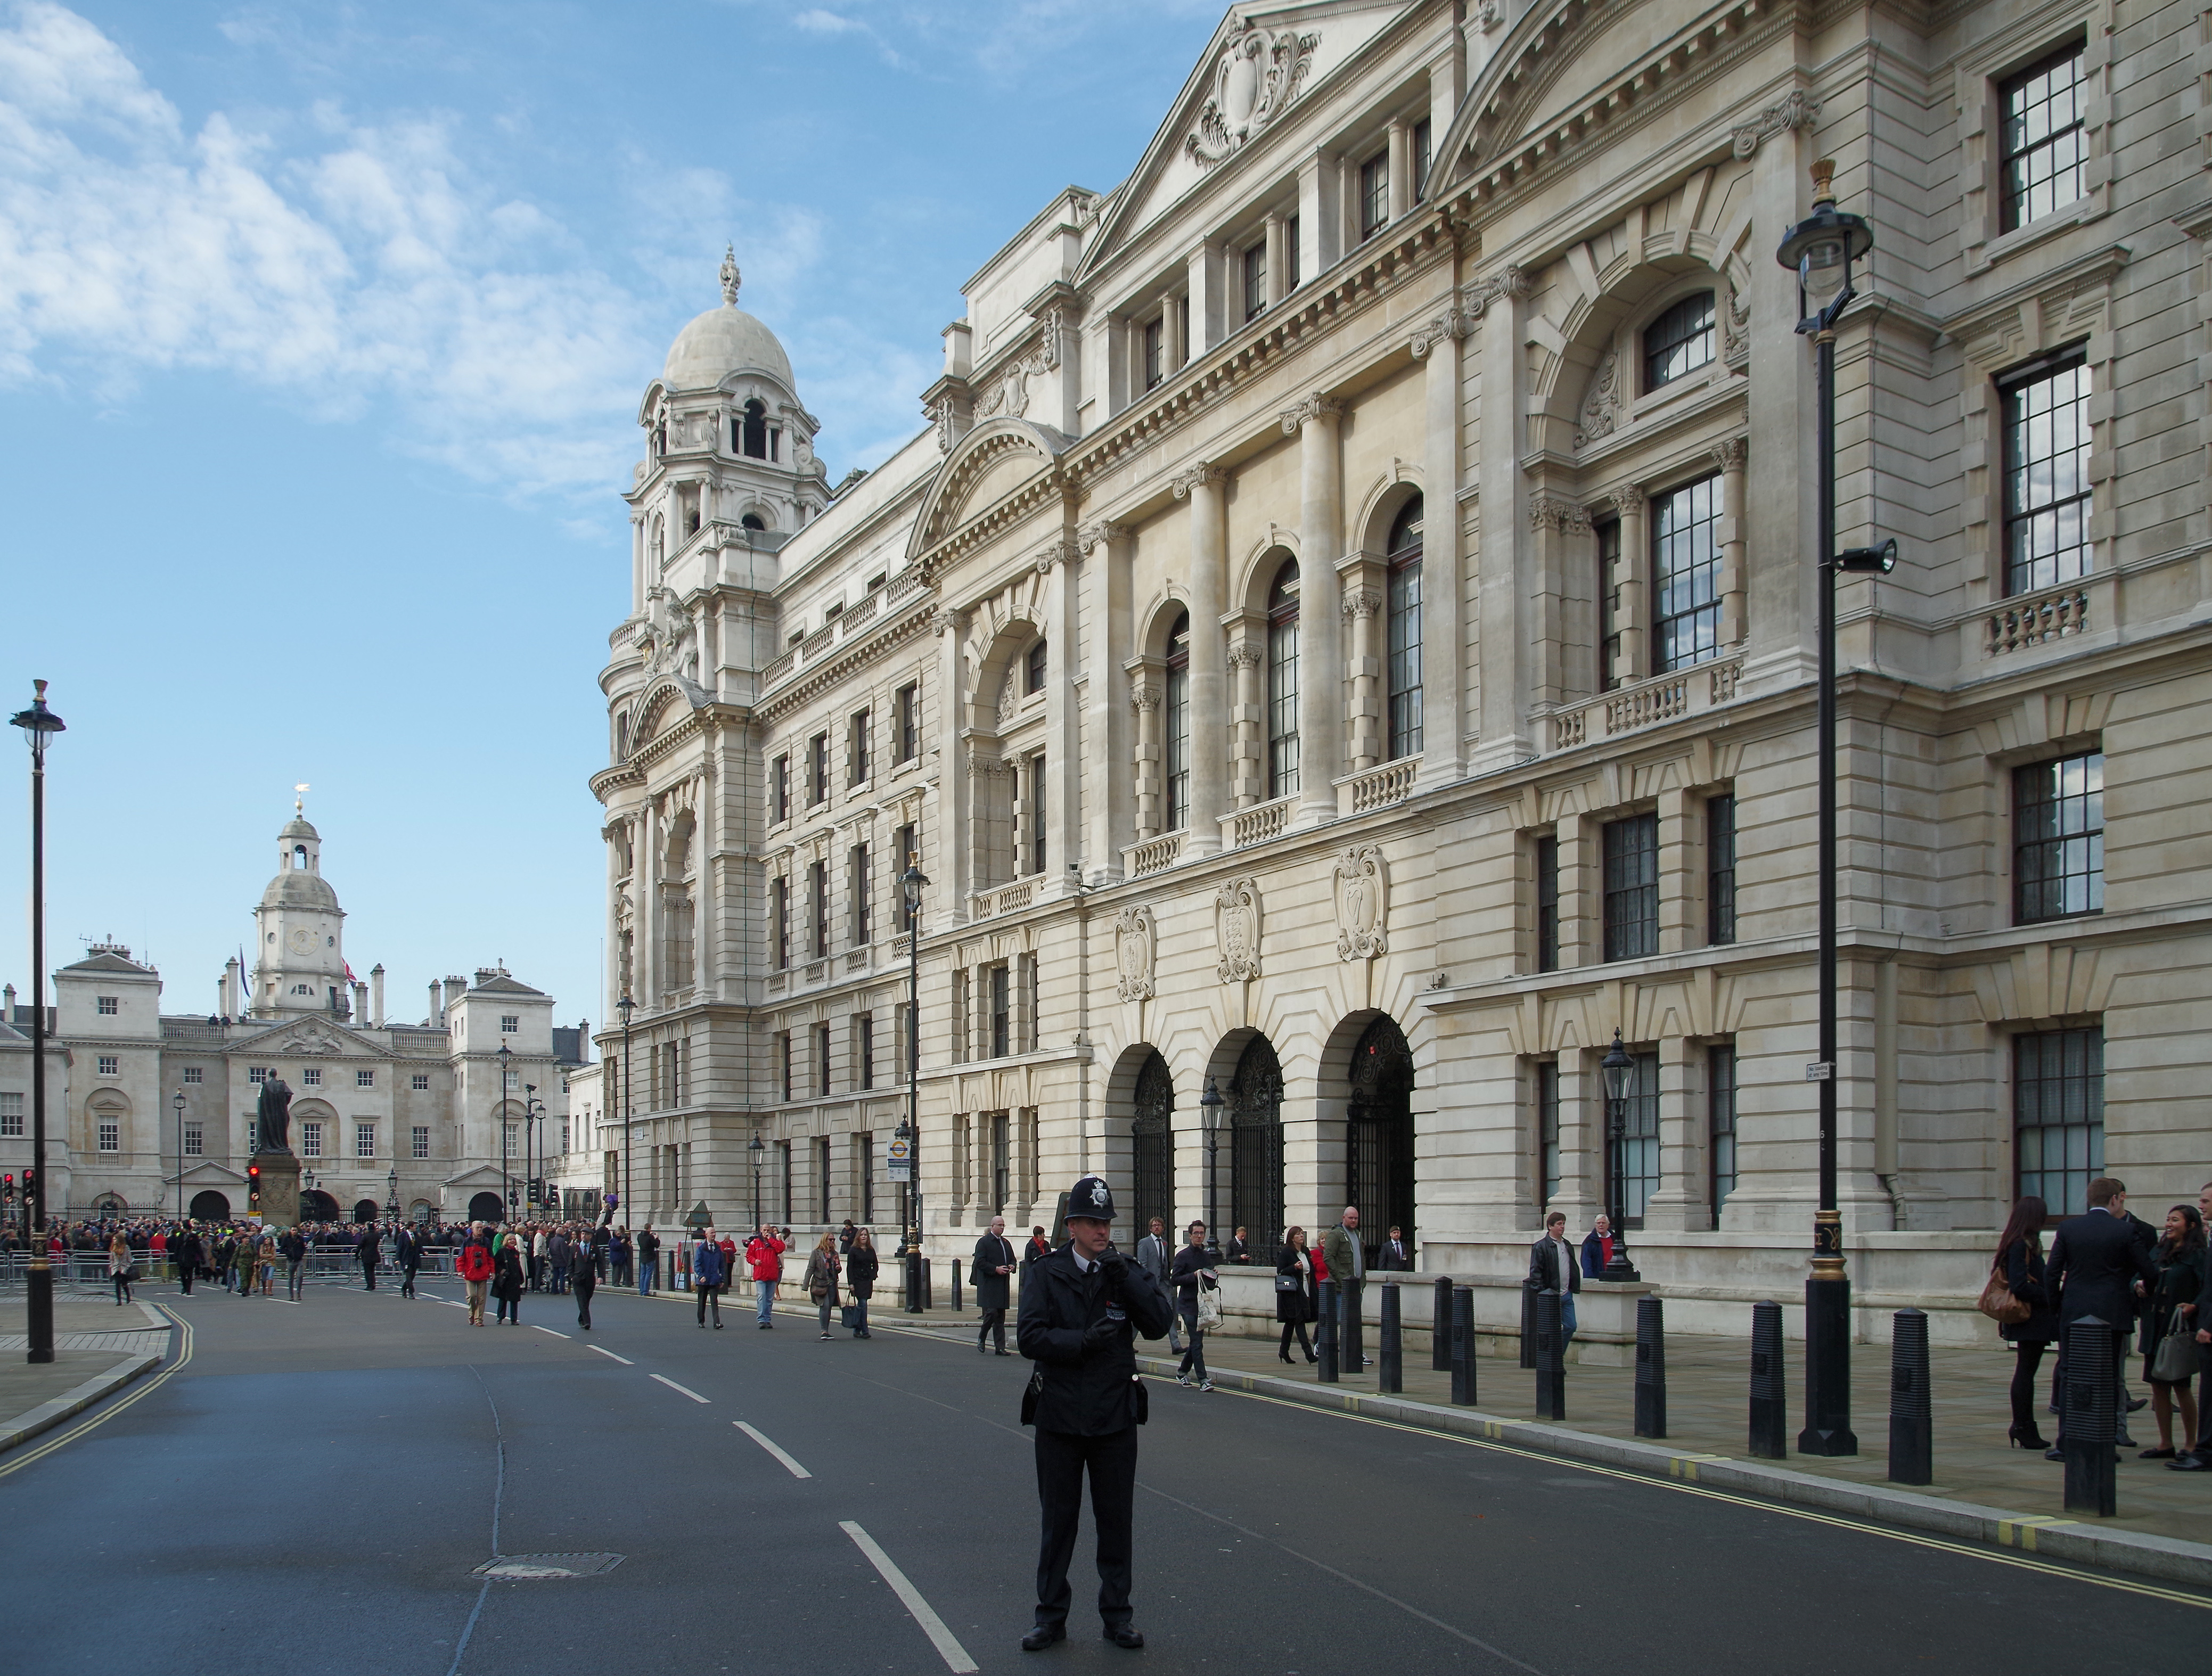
{"points": [[1345, 640]]}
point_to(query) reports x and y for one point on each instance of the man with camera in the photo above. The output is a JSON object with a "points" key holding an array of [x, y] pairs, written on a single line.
{"points": [[1081, 1309]]}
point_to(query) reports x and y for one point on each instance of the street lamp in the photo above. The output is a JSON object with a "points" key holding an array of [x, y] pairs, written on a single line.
{"points": [[506, 1132], [1619, 1072], [179, 1103], [911, 885], [755, 1150], [1821, 250], [1209, 1119], [392, 1196], [533, 1153], [40, 725], [623, 1007]]}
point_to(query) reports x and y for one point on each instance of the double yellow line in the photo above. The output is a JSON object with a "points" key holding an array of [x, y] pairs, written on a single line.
{"points": [[146, 1388]]}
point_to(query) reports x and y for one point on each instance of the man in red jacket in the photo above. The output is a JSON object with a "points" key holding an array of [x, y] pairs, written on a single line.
{"points": [[476, 1266], [764, 1253]]}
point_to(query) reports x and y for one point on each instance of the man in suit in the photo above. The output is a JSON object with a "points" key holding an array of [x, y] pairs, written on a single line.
{"points": [[992, 1270], [1153, 1256], [1348, 1265], [2095, 1268], [1080, 1310], [1553, 1268], [1396, 1253]]}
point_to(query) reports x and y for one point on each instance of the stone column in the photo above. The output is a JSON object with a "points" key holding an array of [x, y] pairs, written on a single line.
{"points": [[1362, 601], [1175, 339], [1145, 704], [375, 996], [1248, 780], [1679, 853], [949, 894], [1321, 214], [1209, 665], [645, 910], [1320, 643], [1581, 941], [1209, 301], [1401, 168], [1779, 515], [1067, 664], [1729, 456], [1678, 1200], [1631, 617], [1111, 721], [637, 580], [1445, 670], [1507, 659], [1278, 258]]}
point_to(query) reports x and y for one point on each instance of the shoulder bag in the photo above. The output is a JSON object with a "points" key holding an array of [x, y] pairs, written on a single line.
{"points": [[1999, 1304], [2175, 1361], [1209, 1306]]}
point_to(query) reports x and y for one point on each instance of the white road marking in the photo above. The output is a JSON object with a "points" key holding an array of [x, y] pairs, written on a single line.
{"points": [[673, 1386], [548, 1329], [624, 1360], [948, 1647], [795, 1469]]}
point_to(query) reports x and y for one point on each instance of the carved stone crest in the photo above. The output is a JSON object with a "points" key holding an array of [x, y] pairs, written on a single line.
{"points": [[313, 1039], [1601, 406], [1133, 954], [1237, 929], [1362, 889], [1799, 110], [1257, 74]]}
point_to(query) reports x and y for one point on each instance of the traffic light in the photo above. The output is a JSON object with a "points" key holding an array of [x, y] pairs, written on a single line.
{"points": [[253, 1186], [9, 1190]]}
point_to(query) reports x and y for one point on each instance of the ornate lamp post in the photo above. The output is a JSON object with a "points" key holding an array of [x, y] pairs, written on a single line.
{"points": [[1821, 250], [40, 725], [1209, 1119], [392, 1196], [754, 1152], [624, 1006], [1619, 1071], [506, 1133], [177, 1103]]}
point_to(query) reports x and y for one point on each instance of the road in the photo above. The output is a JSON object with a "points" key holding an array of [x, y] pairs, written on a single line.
{"points": [[314, 1487]]}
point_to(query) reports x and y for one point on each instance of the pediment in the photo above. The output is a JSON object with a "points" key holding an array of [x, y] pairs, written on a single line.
{"points": [[993, 462], [309, 1036], [211, 1174], [483, 1175]]}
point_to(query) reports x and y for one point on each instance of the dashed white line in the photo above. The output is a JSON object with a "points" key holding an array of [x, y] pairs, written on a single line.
{"points": [[948, 1647], [547, 1329], [624, 1360], [796, 1470], [673, 1386]]}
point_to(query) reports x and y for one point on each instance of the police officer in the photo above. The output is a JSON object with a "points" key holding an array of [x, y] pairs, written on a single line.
{"points": [[1081, 1307]]}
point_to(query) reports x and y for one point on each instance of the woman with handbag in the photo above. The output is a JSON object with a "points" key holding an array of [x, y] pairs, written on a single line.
{"points": [[1294, 1299], [822, 1278], [2169, 1345], [119, 1267], [860, 1264], [2017, 1300]]}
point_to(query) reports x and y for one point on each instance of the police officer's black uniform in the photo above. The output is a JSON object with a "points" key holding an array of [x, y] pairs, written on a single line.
{"points": [[1078, 1323]]}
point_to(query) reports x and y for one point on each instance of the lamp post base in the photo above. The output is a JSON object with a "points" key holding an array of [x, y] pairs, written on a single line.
{"points": [[40, 1324], [1620, 1268], [1827, 1363]]}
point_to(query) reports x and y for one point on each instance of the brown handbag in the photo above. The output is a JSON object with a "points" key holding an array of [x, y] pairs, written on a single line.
{"points": [[1999, 1304]]}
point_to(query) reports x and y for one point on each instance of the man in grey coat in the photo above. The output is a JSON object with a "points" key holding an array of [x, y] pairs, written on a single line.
{"points": [[1154, 1257], [993, 1272]]}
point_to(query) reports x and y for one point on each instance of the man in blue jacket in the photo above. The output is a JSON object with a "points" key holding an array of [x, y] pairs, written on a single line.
{"points": [[707, 1277]]}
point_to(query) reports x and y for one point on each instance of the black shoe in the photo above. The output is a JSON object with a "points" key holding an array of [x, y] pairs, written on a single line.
{"points": [[1043, 1636], [2134, 1403], [1005, 1353], [982, 1349], [1285, 1357], [2156, 1454], [2015, 1439], [2054, 1453], [2189, 1463], [1122, 1636], [2123, 1440]]}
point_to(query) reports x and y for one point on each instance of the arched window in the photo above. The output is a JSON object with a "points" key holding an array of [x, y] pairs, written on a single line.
{"points": [[1680, 341], [1404, 564], [1178, 725], [1255, 1150], [1152, 1143], [751, 520], [1282, 681], [755, 430], [300, 857]]}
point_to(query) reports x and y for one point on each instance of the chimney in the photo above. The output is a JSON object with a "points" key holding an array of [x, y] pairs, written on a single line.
{"points": [[437, 1019], [376, 996], [230, 1007], [360, 1002], [455, 988], [8, 1004]]}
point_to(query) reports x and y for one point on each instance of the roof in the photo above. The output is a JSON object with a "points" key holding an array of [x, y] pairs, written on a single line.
{"points": [[503, 985], [721, 342], [295, 887], [110, 962]]}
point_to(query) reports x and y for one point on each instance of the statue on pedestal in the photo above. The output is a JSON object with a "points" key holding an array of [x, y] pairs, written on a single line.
{"points": [[276, 1116]]}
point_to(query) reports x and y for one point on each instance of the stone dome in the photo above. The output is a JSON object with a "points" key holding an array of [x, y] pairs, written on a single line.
{"points": [[721, 342], [295, 887]]}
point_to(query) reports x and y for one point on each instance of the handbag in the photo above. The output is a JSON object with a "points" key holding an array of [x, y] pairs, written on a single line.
{"points": [[2175, 1362], [1287, 1283], [1999, 1304], [1030, 1392], [1209, 1307], [849, 1317]]}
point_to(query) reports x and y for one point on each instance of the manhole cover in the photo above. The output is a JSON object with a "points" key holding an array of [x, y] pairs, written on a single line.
{"points": [[527, 1567]]}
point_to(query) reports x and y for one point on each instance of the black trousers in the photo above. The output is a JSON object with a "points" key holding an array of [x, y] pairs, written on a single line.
{"points": [[584, 1304], [407, 1281], [710, 1298], [994, 1320], [1061, 1457], [368, 1275]]}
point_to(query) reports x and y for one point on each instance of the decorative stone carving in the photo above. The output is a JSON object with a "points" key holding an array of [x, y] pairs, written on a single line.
{"points": [[947, 407], [1199, 475], [1601, 405], [1362, 889], [1553, 512], [1735, 329], [1730, 452], [1455, 323], [1258, 74], [1237, 929], [1361, 603], [1800, 110], [1093, 535], [313, 1039], [1143, 695], [1244, 655], [1511, 282], [1133, 954], [1316, 406], [1010, 394]]}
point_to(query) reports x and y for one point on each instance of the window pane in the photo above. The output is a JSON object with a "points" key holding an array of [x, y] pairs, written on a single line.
{"points": [[1374, 194], [2040, 138], [1547, 904], [1633, 1157], [2058, 1116], [1283, 683], [2058, 838], [1680, 341], [1686, 575], [1720, 869], [1720, 1110], [1178, 727], [1405, 636], [1547, 1131], [2047, 447], [1631, 886]]}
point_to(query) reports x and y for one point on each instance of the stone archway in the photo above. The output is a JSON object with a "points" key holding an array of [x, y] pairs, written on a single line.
{"points": [[1379, 1135], [1254, 1100], [367, 1210], [316, 1206], [209, 1206], [1151, 1135], [486, 1207]]}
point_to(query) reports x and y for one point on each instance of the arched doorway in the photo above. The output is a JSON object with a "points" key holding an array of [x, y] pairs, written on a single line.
{"points": [[111, 1204], [1255, 1150], [316, 1206], [210, 1207], [485, 1207], [366, 1209], [1152, 1150], [1378, 1136]]}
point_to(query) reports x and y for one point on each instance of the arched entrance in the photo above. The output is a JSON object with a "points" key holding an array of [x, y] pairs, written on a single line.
{"points": [[1255, 1150], [210, 1207], [316, 1206], [1152, 1149], [111, 1204], [485, 1207], [1378, 1159], [366, 1209]]}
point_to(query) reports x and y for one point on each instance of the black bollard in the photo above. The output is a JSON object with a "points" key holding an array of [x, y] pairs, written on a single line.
{"points": [[1911, 1429], [1650, 1368], [2085, 1421], [1325, 1335], [956, 1285], [1440, 1328], [1770, 1420], [1528, 1324], [1391, 1376], [1462, 1347], [929, 1286], [1551, 1358], [1350, 1351]]}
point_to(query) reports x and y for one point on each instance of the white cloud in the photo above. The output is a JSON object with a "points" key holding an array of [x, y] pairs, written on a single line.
{"points": [[819, 22]]}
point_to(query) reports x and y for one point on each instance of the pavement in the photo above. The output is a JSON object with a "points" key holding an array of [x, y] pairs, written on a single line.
{"points": [[325, 1483], [99, 1347]]}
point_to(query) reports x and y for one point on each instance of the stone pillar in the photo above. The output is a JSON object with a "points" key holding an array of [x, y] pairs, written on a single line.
{"points": [[1445, 669], [1278, 258], [1679, 1201], [1321, 214], [375, 995], [1248, 778], [1362, 601], [1067, 664], [1111, 724], [1401, 168], [1507, 656], [956, 816], [637, 579], [1582, 1143], [646, 913], [1321, 644], [1680, 852], [1582, 939], [1175, 338], [1145, 696], [1209, 301], [1209, 666], [1631, 617], [1729, 456], [1779, 515]]}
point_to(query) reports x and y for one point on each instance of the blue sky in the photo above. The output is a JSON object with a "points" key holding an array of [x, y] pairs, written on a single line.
{"points": [[322, 331]]}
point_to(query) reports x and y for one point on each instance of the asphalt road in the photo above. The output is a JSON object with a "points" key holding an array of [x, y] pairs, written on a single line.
{"points": [[314, 1488]]}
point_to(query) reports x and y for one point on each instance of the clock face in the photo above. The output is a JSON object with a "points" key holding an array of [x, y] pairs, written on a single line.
{"points": [[302, 939]]}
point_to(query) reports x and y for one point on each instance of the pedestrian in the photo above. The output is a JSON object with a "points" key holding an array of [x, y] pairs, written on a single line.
{"points": [[730, 1255], [1079, 1314], [2197, 1457], [119, 1267], [189, 1255], [845, 1237], [583, 1283], [1347, 1261], [475, 1265], [992, 1269], [1193, 1268], [2095, 1266], [648, 1261], [507, 1281], [861, 1278], [1240, 1247], [1552, 1269], [407, 1256], [294, 1249], [1296, 1302], [371, 1248], [2180, 1256], [821, 1278], [2019, 1260], [1154, 1256], [707, 1277], [1039, 1246], [1597, 1247], [1397, 1253], [558, 1251], [764, 1254]]}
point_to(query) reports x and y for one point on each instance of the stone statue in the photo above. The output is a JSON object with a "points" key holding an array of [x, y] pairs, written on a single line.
{"points": [[276, 1116]]}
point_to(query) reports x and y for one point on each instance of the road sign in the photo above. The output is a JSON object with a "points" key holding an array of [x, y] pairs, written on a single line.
{"points": [[899, 1155]]}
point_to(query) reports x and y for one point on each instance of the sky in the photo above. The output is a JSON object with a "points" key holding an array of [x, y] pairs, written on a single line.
{"points": [[322, 333]]}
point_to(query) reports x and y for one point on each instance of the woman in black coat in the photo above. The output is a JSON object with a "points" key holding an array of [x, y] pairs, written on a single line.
{"points": [[1295, 1304], [507, 1280], [2019, 1258], [861, 1278], [2180, 1260]]}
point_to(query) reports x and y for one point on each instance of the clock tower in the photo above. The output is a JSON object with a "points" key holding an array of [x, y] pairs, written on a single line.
{"points": [[300, 963]]}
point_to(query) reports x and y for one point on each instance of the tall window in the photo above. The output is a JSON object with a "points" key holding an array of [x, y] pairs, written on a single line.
{"points": [[2046, 475], [111, 1137], [1002, 1019], [1547, 1131], [1631, 886], [1404, 565], [910, 722], [818, 890], [2058, 838], [1720, 1124], [1177, 727], [1374, 194], [1036, 813], [908, 854], [822, 1177], [783, 1169], [752, 430], [418, 1140], [1612, 658], [1547, 903], [822, 1058], [864, 1172], [1155, 349], [1680, 341], [1634, 1159], [864, 1048], [311, 1140], [1034, 662], [1686, 575], [1720, 868], [1001, 1159], [2040, 153], [857, 749], [779, 788], [1422, 149], [364, 1139], [859, 895], [783, 1061], [817, 769], [779, 915], [195, 1140], [2058, 1116], [1290, 256], [1282, 681], [1256, 281]]}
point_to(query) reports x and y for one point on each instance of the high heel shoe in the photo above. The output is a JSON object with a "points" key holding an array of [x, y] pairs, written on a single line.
{"points": [[2025, 1438], [1285, 1354]]}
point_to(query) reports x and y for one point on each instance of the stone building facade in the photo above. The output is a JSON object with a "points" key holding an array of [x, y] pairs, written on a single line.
{"points": [[1345, 640]]}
